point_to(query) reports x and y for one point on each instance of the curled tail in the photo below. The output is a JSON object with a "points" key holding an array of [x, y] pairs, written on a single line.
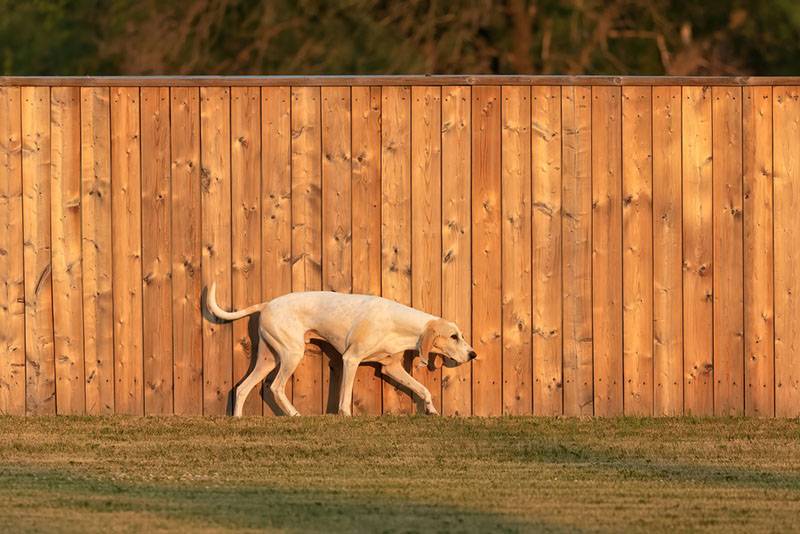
{"points": [[226, 315]]}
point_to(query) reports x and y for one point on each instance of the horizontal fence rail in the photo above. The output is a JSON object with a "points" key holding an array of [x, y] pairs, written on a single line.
{"points": [[610, 245]]}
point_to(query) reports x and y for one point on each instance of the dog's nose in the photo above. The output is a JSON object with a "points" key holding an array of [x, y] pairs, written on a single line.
{"points": [[472, 355]]}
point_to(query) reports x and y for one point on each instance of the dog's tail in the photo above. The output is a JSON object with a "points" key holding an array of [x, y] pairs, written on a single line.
{"points": [[226, 315]]}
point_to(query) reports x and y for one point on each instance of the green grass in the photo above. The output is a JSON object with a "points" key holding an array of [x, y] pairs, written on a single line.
{"points": [[409, 474]]}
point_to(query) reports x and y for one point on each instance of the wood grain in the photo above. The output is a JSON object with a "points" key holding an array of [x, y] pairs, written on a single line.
{"points": [[728, 259], [276, 207], [457, 238], [396, 216], [546, 139], [126, 247], [246, 226], [697, 252], [576, 227], [637, 246], [366, 227], [65, 222], [215, 180], [667, 253], [156, 252], [306, 229], [185, 205], [607, 250], [337, 250], [98, 302], [486, 251], [786, 132], [516, 250], [426, 217], [759, 258]]}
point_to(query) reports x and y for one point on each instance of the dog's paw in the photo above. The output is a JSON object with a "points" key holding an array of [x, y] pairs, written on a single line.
{"points": [[431, 410]]}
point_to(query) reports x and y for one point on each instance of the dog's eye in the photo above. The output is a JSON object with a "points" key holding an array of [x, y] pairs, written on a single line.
{"points": [[454, 336]]}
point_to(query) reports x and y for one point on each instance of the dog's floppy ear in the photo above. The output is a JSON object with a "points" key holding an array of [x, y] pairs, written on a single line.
{"points": [[425, 343]]}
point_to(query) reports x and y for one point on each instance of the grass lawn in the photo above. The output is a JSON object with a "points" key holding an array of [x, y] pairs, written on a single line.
{"points": [[409, 474]]}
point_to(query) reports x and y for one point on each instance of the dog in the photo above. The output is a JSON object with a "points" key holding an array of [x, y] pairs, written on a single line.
{"points": [[363, 328]]}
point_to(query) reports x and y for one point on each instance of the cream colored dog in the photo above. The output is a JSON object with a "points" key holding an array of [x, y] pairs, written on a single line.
{"points": [[362, 328]]}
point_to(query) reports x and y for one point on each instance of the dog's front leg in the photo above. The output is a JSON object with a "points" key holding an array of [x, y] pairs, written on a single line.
{"points": [[395, 370], [349, 369]]}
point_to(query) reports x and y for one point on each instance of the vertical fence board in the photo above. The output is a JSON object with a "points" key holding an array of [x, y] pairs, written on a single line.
{"points": [[156, 251], [215, 178], [697, 252], [456, 238], [607, 250], [40, 379], [366, 227], [546, 150], [396, 215], [728, 263], [516, 250], [486, 251], [187, 331], [97, 260], [126, 245], [306, 223], [276, 228], [667, 253], [336, 217], [12, 285], [786, 128], [426, 216], [65, 131], [246, 235], [759, 393], [637, 257], [576, 226]]}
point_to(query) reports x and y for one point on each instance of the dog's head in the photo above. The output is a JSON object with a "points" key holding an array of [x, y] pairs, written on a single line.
{"points": [[445, 339]]}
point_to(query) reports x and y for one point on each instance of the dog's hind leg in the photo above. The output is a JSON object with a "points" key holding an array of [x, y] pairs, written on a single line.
{"points": [[289, 360], [264, 365]]}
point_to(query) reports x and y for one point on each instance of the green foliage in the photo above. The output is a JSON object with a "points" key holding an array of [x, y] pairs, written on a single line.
{"points": [[75, 37]]}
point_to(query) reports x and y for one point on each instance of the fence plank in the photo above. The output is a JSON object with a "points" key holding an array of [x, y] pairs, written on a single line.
{"points": [[246, 238], [607, 250], [637, 260], [187, 330], [667, 253], [276, 229], [728, 262], [156, 258], [786, 128], [456, 238], [576, 224], [306, 223], [396, 215], [546, 141], [516, 250], [426, 216], [12, 284], [215, 177], [97, 260], [65, 131], [126, 245], [336, 218], [486, 250], [759, 393], [40, 379], [366, 228], [697, 250]]}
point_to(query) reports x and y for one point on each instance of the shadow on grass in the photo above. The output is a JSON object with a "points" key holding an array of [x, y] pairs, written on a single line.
{"points": [[632, 466], [250, 507]]}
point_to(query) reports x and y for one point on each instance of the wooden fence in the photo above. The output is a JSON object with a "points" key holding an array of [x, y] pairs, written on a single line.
{"points": [[611, 245]]}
